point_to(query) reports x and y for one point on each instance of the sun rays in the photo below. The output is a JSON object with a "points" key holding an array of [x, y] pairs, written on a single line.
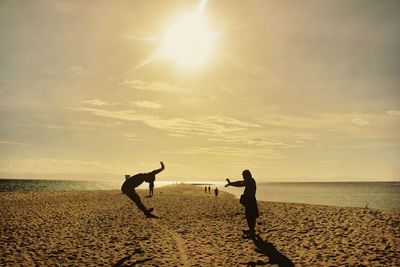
{"points": [[188, 42]]}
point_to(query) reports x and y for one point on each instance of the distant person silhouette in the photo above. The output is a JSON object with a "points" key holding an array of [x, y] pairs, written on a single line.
{"points": [[209, 189], [205, 189], [151, 188], [248, 200], [131, 182], [216, 191]]}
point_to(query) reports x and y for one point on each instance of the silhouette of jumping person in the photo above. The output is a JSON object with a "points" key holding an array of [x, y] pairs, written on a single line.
{"points": [[248, 200], [131, 182]]}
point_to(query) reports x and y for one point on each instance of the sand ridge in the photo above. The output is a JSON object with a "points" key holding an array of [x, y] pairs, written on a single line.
{"points": [[180, 243]]}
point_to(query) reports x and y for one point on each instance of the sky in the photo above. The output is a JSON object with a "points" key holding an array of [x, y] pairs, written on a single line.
{"points": [[291, 90]]}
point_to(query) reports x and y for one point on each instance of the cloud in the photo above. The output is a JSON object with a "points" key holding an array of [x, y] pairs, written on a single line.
{"points": [[230, 151], [143, 37], [231, 121], [56, 166], [99, 103], [330, 162], [129, 115], [154, 86], [79, 70], [250, 140], [332, 130], [55, 126], [393, 112], [199, 127], [360, 122], [130, 136], [272, 132], [214, 128], [147, 104], [318, 123], [6, 142], [207, 126]]}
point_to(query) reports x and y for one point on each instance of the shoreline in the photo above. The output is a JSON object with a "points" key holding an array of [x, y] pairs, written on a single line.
{"points": [[103, 227], [370, 195], [236, 196]]}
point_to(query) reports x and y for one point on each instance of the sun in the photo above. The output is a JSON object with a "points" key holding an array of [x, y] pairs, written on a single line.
{"points": [[189, 41]]}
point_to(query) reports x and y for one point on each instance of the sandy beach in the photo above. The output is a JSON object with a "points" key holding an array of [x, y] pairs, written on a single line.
{"points": [[104, 228]]}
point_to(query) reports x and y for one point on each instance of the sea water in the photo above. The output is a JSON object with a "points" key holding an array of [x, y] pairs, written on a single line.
{"points": [[24, 185], [384, 195]]}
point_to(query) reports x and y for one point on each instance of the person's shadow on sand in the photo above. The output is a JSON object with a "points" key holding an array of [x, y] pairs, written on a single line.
{"points": [[122, 262], [269, 250]]}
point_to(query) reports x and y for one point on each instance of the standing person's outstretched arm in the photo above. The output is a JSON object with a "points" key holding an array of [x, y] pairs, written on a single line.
{"points": [[157, 171], [240, 183]]}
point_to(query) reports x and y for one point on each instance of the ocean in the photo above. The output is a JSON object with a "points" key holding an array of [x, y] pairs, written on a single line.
{"points": [[379, 195], [382, 195]]}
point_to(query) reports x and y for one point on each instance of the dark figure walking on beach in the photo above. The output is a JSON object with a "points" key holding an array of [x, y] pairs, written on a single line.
{"points": [[248, 200], [216, 191], [131, 182], [209, 189], [205, 189]]}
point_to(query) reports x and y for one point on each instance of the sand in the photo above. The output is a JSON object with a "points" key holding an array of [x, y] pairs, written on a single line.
{"points": [[103, 228]]}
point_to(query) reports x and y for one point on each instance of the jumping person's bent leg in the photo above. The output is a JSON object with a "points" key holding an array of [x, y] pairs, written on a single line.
{"points": [[136, 199]]}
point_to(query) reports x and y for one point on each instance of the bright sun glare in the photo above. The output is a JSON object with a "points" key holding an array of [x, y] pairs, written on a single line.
{"points": [[188, 41]]}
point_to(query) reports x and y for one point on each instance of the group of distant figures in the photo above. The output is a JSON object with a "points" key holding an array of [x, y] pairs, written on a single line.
{"points": [[208, 188], [247, 199]]}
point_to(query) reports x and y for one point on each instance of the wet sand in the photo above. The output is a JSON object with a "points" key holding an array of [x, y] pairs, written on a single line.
{"points": [[103, 228]]}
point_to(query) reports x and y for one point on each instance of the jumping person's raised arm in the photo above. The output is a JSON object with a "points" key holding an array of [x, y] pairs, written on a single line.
{"points": [[235, 184], [157, 171]]}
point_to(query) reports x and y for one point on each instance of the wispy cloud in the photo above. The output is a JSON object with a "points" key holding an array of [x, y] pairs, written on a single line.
{"points": [[79, 70], [147, 104], [206, 126], [252, 140], [231, 121], [230, 151], [56, 166], [393, 112], [339, 130], [157, 86], [7, 142], [330, 162], [99, 103], [129, 115], [142, 37], [360, 122], [130, 137], [55, 126], [321, 121]]}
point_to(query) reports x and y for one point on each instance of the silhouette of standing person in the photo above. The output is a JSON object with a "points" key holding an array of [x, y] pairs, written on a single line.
{"points": [[209, 189], [248, 200], [131, 182], [205, 189], [151, 188], [216, 191]]}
